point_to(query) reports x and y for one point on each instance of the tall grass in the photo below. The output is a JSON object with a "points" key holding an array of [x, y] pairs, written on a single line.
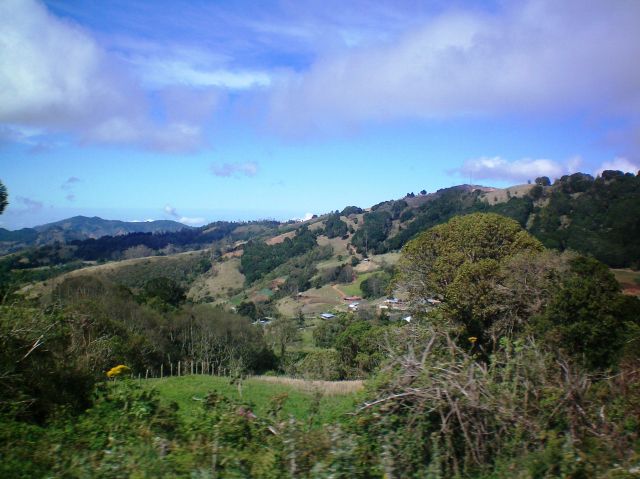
{"points": [[328, 388]]}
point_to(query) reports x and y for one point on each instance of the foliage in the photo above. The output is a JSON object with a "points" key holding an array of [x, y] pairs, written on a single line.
{"points": [[376, 285], [351, 210], [445, 204], [323, 364], [40, 365], [436, 405], [163, 290], [360, 348], [259, 258], [334, 226], [373, 231], [248, 309], [588, 317], [467, 248], [3, 197], [281, 332], [593, 216]]}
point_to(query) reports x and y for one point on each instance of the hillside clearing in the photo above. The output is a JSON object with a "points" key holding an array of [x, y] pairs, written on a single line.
{"points": [[223, 278]]}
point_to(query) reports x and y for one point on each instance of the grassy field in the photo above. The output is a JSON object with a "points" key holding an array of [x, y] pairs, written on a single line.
{"points": [[503, 195], [336, 399], [223, 277], [353, 289]]}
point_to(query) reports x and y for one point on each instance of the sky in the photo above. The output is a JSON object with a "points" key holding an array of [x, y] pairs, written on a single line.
{"points": [[199, 111]]}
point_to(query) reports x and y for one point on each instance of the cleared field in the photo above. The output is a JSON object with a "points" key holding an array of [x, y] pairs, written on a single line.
{"points": [[335, 400], [280, 238], [353, 289], [377, 261], [629, 280], [502, 195], [338, 244], [313, 302], [223, 277]]}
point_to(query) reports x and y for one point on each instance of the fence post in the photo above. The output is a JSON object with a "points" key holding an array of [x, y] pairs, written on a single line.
{"points": [[146, 376], [161, 371], [170, 369], [178, 368], [192, 367]]}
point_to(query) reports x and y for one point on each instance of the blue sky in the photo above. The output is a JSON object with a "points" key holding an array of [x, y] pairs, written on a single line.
{"points": [[202, 110]]}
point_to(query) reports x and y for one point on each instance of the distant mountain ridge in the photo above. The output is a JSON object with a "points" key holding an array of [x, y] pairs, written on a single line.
{"points": [[80, 228]]}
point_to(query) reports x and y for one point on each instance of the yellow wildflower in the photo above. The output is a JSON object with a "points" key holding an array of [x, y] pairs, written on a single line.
{"points": [[473, 339], [118, 371]]}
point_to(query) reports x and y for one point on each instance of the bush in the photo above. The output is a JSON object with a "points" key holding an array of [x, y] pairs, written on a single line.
{"points": [[323, 365]]}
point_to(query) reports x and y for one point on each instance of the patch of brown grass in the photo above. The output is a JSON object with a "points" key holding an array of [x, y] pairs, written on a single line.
{"points": [[328, 388]]}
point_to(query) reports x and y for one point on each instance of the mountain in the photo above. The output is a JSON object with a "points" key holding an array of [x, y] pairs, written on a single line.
{"points": [[80, 228], [83, 227]]}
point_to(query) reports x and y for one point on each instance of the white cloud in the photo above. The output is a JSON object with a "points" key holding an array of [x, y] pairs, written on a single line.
{"points": [[306, 217], [187, 220], [248, 168], [620, 164], [538, 56], [54, 76], [497, 168], [161, 72]]}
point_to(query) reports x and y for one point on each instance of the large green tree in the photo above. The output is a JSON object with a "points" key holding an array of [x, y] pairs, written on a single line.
{"points": [[431, 262], [3, 197], [463, 262]]}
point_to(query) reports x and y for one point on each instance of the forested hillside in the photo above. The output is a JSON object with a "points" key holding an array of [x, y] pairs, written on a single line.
{"points": [[527, 361], [80, 228]]}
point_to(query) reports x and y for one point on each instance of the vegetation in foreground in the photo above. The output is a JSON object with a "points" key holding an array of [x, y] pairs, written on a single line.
{"points": [[529, 368]]}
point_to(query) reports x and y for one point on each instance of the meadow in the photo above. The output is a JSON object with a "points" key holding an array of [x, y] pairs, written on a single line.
{"points": [[327, 402]]}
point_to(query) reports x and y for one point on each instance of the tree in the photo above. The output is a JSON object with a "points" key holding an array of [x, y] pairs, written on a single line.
{"points": [[543, 181], [3, 197], [588, 316], [165, 290], [462, 261], [281, 332], [248, 309], [430, 263]]}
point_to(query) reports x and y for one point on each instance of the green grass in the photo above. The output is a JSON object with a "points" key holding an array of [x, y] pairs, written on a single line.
{"points": [[256, 393], [353, 289]]}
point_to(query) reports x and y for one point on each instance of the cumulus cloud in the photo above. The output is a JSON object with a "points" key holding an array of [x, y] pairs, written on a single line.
{"points": [[306, 217], [187, 220], [538, 56], [497, 168], [620, 164], [56, 77], [249, 168]]}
